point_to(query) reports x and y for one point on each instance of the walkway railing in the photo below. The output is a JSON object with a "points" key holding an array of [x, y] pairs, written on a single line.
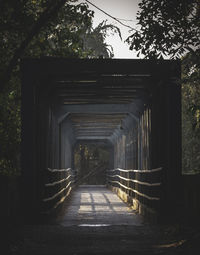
{"points": [[59, 185], [141, 185]]}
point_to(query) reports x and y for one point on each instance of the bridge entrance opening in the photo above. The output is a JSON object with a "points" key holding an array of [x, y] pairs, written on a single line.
{"points": [[131, 109], [91, 161]]}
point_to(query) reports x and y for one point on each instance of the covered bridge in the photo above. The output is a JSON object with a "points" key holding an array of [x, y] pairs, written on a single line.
{"points": [[132, 106]]}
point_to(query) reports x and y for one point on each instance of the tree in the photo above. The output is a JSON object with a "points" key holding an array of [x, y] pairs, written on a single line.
{"points": [[94, 40], [190, 115], [167, 28], [91, 161], [30, 28], [26, 18]]}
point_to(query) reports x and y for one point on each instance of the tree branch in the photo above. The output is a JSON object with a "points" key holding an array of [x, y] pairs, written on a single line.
{"points": [[44, 18]]}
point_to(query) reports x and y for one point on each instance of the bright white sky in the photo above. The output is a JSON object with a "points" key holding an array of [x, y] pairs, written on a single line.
{"points": [[123, 9]]}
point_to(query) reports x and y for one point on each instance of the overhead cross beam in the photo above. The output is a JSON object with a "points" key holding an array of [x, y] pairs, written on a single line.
{"points": [[101, 124]]}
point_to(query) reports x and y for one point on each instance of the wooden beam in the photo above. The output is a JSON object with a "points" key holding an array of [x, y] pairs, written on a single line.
{"points": [[44, 67]]}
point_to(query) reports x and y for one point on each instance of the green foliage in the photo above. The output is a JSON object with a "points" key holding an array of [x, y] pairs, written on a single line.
{"points": [[166, 28], [94, 40], [87, 158], [10, 129], [190, 115], [30, 28], [61, 35], [90, 152]]}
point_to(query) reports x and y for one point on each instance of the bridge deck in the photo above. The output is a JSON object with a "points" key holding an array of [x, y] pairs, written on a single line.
{"points": [[97, 222], [96, 205]]}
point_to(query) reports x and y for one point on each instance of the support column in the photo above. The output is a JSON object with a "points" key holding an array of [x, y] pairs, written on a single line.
{"points": [[166, 143], [28, 133]]}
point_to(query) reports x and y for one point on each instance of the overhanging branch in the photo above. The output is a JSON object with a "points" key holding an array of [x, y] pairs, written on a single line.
{"points": [[44, 18]]}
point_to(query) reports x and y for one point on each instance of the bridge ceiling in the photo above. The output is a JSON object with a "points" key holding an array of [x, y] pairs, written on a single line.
{"points": [[100, 84], [101, 89], [100, 125]]}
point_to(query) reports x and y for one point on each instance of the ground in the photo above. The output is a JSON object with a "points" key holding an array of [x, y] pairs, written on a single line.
{"points": [[96, 221]]}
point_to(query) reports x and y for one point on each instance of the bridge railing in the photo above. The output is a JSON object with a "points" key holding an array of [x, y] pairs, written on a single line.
{"points": [[59, 183], [143, 186]]}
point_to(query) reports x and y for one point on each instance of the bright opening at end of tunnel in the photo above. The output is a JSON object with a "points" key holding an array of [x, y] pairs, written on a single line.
{"points": [[91, 161]]}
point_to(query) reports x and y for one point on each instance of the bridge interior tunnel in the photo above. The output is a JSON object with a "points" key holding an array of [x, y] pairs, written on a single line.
{"points": [[108, 109], [116, 133], [122, 108]]}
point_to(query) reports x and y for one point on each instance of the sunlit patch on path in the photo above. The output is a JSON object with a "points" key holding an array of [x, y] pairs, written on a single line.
{"points": [[98, 206]]}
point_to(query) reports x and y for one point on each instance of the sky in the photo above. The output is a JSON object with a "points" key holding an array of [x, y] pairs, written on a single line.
{"points": [[123, 9]]}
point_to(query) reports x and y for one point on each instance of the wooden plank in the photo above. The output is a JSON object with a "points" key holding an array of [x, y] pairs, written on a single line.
{"points": [[135, 181], [57, 194], [60, 66], [59, 170], [57, 182], [137, 170], [136, 191]]}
